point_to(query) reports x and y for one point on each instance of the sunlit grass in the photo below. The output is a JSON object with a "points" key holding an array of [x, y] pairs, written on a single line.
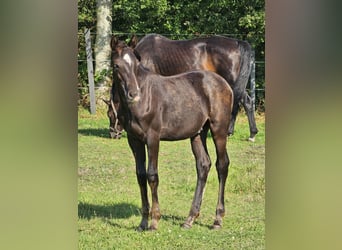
{"points": [[109, 197]]}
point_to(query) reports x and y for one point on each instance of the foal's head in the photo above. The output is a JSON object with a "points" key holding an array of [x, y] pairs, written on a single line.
{"points": [[125, 64]]}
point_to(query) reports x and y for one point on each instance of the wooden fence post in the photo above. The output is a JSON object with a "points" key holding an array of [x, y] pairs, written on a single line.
{"points": [[90, 68]]}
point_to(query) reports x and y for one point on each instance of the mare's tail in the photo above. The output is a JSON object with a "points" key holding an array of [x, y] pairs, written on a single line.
{"points": [[245, 67], [240, 93]]}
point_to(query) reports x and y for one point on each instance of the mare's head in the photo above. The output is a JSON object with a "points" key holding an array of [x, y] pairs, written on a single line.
{"points": [[115, 128], [125, 65]]}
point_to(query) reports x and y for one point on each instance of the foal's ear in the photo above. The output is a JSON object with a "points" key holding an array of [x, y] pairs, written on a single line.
{"points": [[137, 55], [114, 42], [133, 42]]}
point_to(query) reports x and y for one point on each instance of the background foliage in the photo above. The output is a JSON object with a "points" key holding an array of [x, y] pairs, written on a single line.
{"points": [[178, 19]]}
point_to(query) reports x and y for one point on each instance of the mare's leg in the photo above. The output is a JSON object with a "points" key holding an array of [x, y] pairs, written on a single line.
{"points": [[203, 164], [247, 103], [153, 179], [138, 149], [222, 164]]}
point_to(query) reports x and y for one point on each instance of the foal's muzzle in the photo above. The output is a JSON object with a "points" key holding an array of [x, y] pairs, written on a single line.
{"points": [[133, 96]]}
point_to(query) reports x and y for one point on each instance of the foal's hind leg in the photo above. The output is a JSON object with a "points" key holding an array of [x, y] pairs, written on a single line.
{"points": [[203, 164], [222, 164]]}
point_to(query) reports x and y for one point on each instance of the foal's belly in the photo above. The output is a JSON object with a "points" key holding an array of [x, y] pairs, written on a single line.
{"points": [[178, 134], [182, 124]]}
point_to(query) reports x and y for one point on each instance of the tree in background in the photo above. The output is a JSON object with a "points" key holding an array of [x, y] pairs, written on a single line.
{"points": [[102, 42]]}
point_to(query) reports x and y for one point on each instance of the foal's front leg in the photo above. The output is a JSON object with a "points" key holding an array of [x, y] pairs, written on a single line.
{"points": [[153, 179], [138, 149]]}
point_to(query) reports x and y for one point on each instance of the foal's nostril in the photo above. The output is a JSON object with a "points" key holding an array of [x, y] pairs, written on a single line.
{"points": [[131, 95]]}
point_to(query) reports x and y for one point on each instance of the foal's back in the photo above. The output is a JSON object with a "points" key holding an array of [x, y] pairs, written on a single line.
{"points": [[185, 102]]}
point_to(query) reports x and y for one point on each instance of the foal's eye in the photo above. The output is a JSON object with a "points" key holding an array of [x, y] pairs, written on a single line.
{"points": [[116, 67]]}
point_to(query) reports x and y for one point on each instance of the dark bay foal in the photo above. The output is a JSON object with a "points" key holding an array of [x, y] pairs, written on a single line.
{"points": [[154, 108]]}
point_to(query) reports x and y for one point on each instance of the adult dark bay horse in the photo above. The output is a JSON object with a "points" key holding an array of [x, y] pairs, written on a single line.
{"points": [[154, 107], [228, 57]]}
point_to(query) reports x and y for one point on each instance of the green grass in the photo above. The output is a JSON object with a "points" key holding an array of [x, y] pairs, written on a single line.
{"points": [[109, 197]]}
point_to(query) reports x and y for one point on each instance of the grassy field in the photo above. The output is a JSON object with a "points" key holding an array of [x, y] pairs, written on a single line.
{"points": [[109, 197]]}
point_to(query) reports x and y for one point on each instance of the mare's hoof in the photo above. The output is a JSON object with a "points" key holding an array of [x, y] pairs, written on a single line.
{"points": [[251, 139]]}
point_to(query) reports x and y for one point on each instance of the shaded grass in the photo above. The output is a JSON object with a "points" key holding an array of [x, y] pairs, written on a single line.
{"points": [[109, 196]]}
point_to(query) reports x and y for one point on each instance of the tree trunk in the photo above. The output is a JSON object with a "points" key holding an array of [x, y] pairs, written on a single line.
{"points": [[102, 43]]}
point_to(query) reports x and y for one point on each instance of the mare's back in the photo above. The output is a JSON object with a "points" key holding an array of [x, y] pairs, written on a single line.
{"points": [[164, 56], [169, 57]]}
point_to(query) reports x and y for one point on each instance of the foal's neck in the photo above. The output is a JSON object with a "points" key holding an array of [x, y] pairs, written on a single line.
{"points": [[142, 73]]}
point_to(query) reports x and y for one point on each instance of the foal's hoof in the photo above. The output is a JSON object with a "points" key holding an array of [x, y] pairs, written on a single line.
{"points": [[216, 227], [151, 229], [186, 226], [217, 224], [140, 229]]}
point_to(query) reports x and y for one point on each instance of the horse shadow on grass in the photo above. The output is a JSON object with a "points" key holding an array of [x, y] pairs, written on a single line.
{"points": [[179, 221], [116, 211], [100, 132], [122, 211], [108, 212]]}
